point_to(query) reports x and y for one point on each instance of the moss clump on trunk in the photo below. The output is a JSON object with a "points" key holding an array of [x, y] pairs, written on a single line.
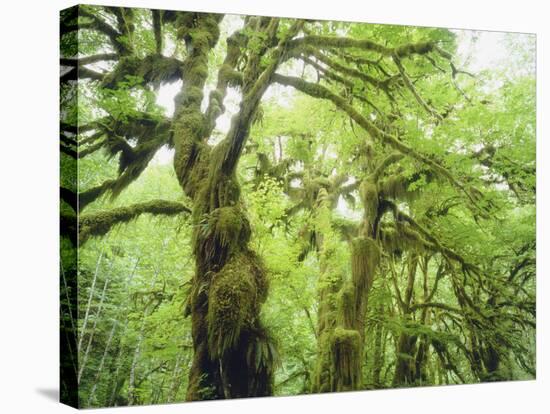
{"points": [[235, 296], [405, 368], [347, 306], [345, 347], [365, 256], [369, 196], [221, 233]]}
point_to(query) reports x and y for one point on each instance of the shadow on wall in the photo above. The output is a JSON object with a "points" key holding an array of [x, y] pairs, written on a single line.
{"points": [[49, 393]]}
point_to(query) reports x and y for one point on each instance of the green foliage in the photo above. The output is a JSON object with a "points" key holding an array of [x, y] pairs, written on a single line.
{"points": [[398, 254]]}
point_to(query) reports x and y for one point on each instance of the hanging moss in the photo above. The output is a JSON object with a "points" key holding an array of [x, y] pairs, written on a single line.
{"points": [[345, 346], [369, 196], [365, 257], [405, 373], [347, 306], [160, 70], [412, 240], [397, 187], [393, 187], [390, 240]]}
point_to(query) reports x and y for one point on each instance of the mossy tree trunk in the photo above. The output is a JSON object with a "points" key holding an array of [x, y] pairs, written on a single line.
{"points": [[234, 354], [378, 355], [330, 283], [340, 358], [405, 368], [423, 351]]}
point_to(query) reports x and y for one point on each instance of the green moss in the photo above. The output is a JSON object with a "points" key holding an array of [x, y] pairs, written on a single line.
{"points": [[414, 48], [230, 226], [365, 257], [322, 372], [390, 240], [347, 306], [236, 293], [98, 224], [191, 156], [412, 240], [397, 187], [345, 346], [369, 196]]}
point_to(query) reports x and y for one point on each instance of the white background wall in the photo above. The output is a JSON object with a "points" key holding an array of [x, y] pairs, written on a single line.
{"points": [[29, 202]]}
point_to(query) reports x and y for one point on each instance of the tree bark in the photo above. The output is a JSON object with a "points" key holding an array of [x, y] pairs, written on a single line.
{"points": [[233, 351]]}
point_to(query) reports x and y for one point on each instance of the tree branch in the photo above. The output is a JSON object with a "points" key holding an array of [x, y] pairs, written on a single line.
{"points": [[98, 224], [434, 305], [253, 93], [413, 90], [86, 60], [325, 42], [157, 29], [156, 69]]}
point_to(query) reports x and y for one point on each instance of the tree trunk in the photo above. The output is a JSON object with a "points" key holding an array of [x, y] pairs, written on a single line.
{"points": [[342, 311], [406, 346], [378, 357], [233, 352], [405, 366]]}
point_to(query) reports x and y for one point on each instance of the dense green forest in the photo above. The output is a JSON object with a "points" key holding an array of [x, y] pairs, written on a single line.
{"points": [[255, 206]]}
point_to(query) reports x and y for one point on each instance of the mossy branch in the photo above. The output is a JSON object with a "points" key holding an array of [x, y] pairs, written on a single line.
{"points": [[437, 305], [227, 76], [157, 29], [98, 224], [69, 197], [253, 93], [377, 83], [155, 69], [326, 42], [74, 74], [90, 195]]}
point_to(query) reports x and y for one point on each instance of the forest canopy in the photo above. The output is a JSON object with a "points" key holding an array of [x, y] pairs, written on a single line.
{"points": [[256, 206]]}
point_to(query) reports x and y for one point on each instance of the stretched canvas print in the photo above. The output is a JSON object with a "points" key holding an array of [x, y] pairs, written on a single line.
{"points": [[256, 206]]}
